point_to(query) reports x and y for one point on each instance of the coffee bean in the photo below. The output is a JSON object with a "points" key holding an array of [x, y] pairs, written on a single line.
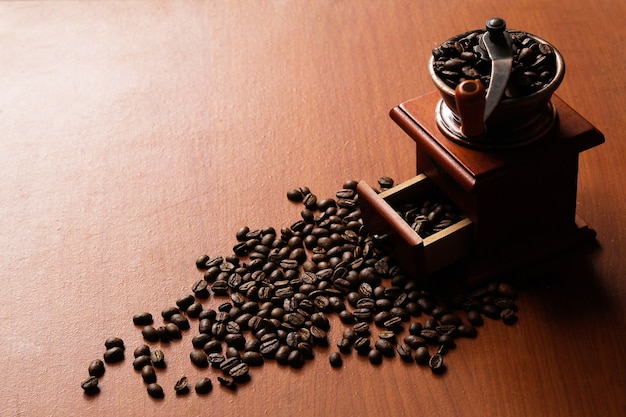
{"points": [[140, 361], [405, 352], [142, 319], [96, 368], [474, 318], [158, 358], [114, 354], [335, 360], [172, 331], [375, 357], [467, 330], [199, 358], [253, 358], [155, 390], [216, 359], [141, 351], [436, 364], [148, 374], [182, 386], [422, 357], [385, 347], [204, 386], [90, 386], [491, 311], [150, 333], [114, 342], [414, 341], [240, 372], [508, 316], [295, 195], [228, 382]]}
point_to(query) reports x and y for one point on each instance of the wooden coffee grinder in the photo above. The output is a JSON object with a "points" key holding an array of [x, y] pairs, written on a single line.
{"points": [[496, 141]]}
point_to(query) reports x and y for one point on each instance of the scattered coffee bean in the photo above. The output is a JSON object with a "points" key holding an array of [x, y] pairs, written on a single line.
{"points": [[199, 358], [204, 386], [228, 382], [90, 386], [96, 368], [158, 358], [155, 390], [335, 360], [436, 364], [114, 354], [375, 357], [142, 319], [148, 374], [422, 357], [114, 342], [182, 386], [142, 350], [140, 361]]}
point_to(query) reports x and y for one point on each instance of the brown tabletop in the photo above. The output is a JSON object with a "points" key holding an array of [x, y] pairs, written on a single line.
{"points": [[136, 136]]}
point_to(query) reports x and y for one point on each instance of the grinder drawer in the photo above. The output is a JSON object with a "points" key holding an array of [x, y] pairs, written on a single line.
{"points": [[418, 255]]}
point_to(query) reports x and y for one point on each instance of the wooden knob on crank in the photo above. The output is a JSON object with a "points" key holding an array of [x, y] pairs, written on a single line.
{"points": [[469, 96]]}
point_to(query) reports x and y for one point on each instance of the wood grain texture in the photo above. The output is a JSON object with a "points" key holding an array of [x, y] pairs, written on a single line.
{"points": [[136, 136]]}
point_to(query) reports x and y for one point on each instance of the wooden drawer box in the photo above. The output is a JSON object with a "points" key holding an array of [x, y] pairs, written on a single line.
{"points": [[418, 256]]}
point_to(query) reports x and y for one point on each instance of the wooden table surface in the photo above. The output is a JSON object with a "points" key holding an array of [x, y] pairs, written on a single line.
{"points": [[136, 136]]}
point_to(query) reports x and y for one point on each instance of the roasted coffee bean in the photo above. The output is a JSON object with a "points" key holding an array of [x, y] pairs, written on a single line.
{"points": [[269, 347], [430, 336], [158, 358], [295, 195], [199, 358], [155, 390], [172, 330], [415, 328], [227, 382], [295, 359], [436, 364], [216, 359], [96, 368], [467, 330], [140, 361], [142, 319], [114, 354], [344, 345], [182, 386], [201, 289], [362, 345], [114, 342], [184, 302], [375, 357], [180, 320], [141, 351], [385, 347], [240, 372], [229, 363], [148, 374], [335, 360], [508, 316], [405, 352], [194, 310], [201, 262], [203, 386], [90, 385], [252, 358], [414, 341], [474, 318], [168, 312], [491, 311]]}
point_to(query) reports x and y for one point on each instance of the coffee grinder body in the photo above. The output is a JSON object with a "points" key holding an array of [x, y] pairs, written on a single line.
{"points": [[514, 176]]}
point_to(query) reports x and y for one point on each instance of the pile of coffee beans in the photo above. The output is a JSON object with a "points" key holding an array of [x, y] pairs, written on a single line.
{"points": [[276, 296], [462, 58], [430, 214]]}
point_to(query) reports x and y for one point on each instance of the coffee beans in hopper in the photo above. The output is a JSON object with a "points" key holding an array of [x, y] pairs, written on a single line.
{"points": [[277, 296]]}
